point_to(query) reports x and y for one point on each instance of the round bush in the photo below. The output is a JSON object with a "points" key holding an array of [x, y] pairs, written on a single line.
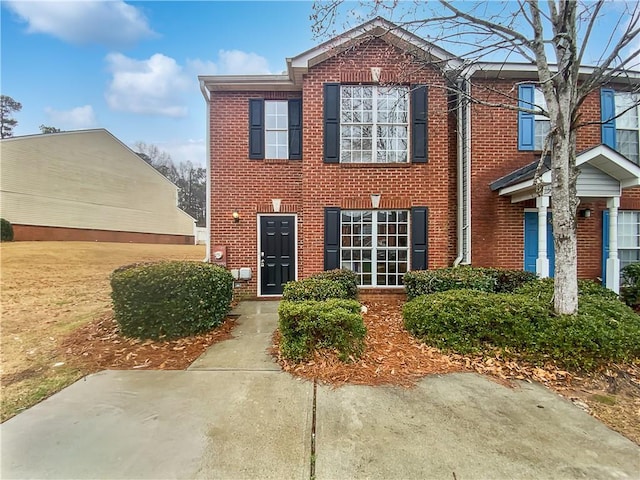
{"points": [[630, 288], [6, 230], [168, 300]]}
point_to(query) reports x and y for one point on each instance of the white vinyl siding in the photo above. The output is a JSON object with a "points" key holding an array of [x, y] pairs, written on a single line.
{"points": [[89, 180]]}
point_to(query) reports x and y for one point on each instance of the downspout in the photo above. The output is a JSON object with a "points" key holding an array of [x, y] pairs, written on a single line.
{"points": [[463, 177], [207, 99]]}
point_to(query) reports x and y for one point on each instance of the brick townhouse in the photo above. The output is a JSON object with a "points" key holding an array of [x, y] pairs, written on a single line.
{"points": [[363, 156]]}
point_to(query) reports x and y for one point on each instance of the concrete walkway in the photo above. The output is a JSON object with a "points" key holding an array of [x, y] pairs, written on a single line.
{"points": [[234, 414]]}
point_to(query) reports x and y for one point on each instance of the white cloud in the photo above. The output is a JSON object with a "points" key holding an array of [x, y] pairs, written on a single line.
{"points": [[76, 118], [231, 62], [154, 86], [110, 23]]}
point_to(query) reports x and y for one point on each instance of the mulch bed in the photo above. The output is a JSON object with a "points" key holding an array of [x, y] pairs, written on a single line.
{"points": [[99, 346]]}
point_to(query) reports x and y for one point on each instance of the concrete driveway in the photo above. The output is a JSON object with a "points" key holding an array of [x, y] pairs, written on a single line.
{"points": [[234, 414]]}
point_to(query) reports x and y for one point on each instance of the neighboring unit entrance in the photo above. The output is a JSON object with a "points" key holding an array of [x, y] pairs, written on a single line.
{"points": [[277, 253], [531, 242]]}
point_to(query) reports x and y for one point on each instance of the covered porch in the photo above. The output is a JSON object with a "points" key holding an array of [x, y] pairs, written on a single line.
{"points": [[603, 175]]}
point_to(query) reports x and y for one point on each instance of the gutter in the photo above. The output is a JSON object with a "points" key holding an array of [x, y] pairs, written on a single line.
{"points": [[207, 99], [463, 166]]}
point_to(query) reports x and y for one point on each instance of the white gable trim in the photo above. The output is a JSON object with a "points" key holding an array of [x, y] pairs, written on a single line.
{"points": [[603, 158]]}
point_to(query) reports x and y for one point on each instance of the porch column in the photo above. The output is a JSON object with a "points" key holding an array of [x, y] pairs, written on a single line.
{"points": [[542, 262], [613, 262]]}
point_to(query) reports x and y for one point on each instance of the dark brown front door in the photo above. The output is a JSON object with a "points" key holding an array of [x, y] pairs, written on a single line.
{"points": [[277, 253]]}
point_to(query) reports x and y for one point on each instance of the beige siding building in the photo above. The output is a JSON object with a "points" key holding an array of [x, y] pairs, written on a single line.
{"points": [[87, 185]]}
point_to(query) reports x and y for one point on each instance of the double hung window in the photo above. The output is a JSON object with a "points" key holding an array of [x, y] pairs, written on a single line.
{"points": [[374, 124], [627, 126], [628, 237]]}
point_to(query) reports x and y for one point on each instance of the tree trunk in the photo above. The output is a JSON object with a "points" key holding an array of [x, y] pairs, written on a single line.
{"points": [[564, 204]]}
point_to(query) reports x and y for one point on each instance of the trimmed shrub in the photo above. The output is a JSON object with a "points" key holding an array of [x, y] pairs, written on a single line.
{"points": [[425, 282], [308, 325], [630, 288], [6, 230], [168, 300], [313, 289], [543, 288], [346, 278], [467, 321], [508, 281], [604, 329]]}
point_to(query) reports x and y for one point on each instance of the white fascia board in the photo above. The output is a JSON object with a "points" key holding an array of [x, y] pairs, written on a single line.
{"points": [[314, 55], [529, 70], [249, 82], [610, 162]]}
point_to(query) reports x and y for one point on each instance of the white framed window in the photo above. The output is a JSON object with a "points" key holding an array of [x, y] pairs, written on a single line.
{"points": [[374, 124], [628, 237], [542, 123], [276, 121], [375, 245], [627, 125]]}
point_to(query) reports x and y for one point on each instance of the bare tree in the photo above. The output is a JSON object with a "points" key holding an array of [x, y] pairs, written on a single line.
{"points": [[7, 123], [556, 37]]}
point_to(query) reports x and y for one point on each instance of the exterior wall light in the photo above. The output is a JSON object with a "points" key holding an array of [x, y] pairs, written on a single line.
{"points": [[586, 213], [236, 216]]}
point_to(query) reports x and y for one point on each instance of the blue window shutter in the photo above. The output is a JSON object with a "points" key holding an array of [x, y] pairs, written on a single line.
{"points": [[419, 130], [605, 244], [256, 128], [419, 238], [526, 121], [331, 238], [331, 123], [607, 114], [295, 129]]}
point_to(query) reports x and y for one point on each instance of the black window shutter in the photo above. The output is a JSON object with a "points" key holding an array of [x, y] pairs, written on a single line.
{"points": [[331, 123], [419, 237], [295, 129], [256, 128], [419, 104], [331, 238]]}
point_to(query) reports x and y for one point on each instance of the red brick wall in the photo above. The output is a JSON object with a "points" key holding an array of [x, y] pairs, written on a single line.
{"points": [[307, 186], [497, 224]]}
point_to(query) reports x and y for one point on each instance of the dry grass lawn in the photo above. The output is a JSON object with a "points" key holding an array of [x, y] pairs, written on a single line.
{"points": [[48, 290]]}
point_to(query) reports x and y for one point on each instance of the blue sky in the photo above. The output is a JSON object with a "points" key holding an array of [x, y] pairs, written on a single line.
{"points": [[132, 67]]}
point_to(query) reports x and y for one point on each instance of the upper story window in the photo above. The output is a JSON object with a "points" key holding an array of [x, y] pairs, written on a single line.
{"points": [[627, 127], [374, 124], [276, 127], [532, 128], [542, 123], [620, 126]]}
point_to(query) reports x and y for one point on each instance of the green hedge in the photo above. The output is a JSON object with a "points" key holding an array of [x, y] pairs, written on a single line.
{"points": [[313, 289], [346, 278], [6, 230], [544, 288], [630, 288], [468, 321], [170, 300], [307, 325], [425, 282]]}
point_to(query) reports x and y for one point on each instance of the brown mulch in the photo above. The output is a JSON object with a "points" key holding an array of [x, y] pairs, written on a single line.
{"points": [[99, 345]]}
